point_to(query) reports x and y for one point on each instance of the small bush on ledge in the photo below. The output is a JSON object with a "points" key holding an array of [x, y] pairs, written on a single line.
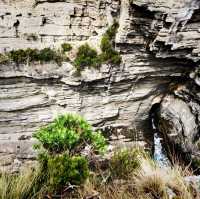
{"points": [[86, 56], [29, 55], [109, 54], [63, 169]]}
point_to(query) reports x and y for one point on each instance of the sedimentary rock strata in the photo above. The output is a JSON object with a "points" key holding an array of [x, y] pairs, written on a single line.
{"points": [[159, 45]]}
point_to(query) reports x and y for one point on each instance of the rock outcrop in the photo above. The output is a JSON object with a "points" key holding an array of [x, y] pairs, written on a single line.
{"points": [[159, 45], [178, 120]]}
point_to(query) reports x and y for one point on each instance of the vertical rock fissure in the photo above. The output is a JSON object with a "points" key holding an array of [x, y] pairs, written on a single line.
{"points": [[159, 152]]}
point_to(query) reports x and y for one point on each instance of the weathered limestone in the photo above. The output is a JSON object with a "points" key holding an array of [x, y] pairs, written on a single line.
{"points": [[117, 98]]}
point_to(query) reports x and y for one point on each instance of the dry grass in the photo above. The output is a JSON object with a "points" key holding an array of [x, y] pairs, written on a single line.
{"points": [[149, 181], [156, 182], [20, 186]]}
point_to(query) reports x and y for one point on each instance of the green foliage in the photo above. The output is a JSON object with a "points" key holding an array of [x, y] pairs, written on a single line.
{"points": [[98, 141], [60, 146], [66, 47], [18, 56], [125, 162], [46, 54], [112, 30], [108, 37], [63, 169], [69, 133], [30, 55], [109, 54], [106, 45], [86, 57]]}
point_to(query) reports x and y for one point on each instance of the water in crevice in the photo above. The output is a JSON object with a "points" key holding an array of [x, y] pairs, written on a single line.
{"points": [[159, 154]]}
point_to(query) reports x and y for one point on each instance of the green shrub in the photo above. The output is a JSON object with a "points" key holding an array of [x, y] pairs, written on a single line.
{"points": [[60, 146], [86, 57], [109, 54], [115, 57], [112, 30], [46, 54], [106, 45], [30, 55], [69, 133], [66, 47], [63, 169], [22, 56], [18, 56], [125, 162]]}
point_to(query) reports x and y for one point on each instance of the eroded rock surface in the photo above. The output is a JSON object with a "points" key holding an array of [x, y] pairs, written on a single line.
{"points": [[179, 120], [118, 98]]}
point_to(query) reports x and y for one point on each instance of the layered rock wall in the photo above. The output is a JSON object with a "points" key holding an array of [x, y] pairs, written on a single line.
{"points": [[117, 98]]}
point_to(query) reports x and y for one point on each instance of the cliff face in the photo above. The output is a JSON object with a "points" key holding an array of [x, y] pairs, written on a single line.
{"points": [[159, 42]]}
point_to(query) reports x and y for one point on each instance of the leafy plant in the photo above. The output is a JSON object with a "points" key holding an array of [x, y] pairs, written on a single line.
{"points": [[69, 133], [47, 54], [66, 47], [30, 55], [109, 54], [60, 146], [63, 169], [105, 43], [18, 56], [86, 56]]}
